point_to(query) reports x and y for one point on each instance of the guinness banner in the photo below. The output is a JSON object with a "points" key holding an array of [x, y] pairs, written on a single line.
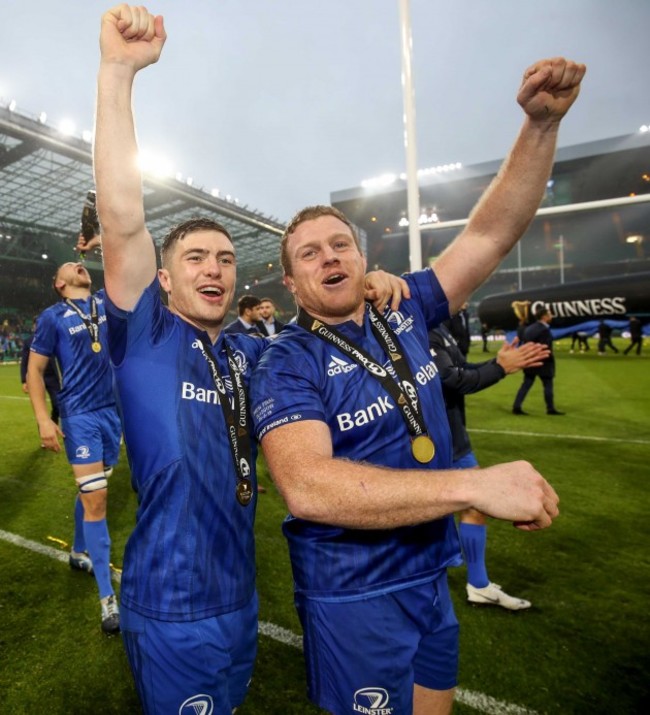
{"points": [[614, 298]]}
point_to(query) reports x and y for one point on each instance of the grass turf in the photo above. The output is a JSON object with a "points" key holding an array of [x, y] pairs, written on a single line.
{"points": [[582, 647]]}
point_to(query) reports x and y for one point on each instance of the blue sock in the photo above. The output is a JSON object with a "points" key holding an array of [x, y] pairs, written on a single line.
{"points": [[79, 543], [98, 543], [472, 539]]}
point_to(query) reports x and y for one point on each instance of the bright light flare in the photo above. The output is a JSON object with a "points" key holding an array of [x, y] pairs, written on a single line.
{"points": [[155, 165], [67, 127]]}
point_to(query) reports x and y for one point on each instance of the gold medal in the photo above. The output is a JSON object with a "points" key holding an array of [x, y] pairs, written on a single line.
{"points": [[244, 492], [96, 347], [423, 448]]}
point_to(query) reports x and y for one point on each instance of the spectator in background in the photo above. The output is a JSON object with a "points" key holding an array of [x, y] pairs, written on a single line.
{"points": [[50, 377], [539, 332], [460, 378], [582, 338], [636, 336], [605, 338], [74, 332], [268, 321], [485, 331], [458, 326], [248, 320]]}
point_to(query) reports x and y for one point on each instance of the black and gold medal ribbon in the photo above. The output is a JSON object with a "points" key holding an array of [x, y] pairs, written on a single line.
{"points": [[403, 389], [236, 420], [91, 322]]}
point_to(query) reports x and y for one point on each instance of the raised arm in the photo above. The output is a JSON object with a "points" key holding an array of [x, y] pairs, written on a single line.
{"points": [[509, 204], [130, 39], [321, 488]]}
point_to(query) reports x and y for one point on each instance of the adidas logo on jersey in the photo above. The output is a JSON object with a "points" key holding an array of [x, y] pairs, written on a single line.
{"points": [[338, 366]]}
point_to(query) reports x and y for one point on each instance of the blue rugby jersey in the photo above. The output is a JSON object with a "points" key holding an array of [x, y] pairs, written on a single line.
{"points": [[301, 377], [191, 554], [87, 382]]}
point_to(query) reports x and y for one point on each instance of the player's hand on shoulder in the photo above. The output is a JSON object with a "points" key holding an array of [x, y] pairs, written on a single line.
{"points": [[382, 287]]}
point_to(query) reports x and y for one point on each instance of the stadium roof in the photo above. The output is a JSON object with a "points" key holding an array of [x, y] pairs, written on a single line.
{"points": [[44, 179]]}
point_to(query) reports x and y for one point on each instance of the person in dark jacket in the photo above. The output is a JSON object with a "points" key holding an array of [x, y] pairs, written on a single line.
{"points": [[605, 338], [270, 324], [50, 377], [460, 378], [458, 326], [248, 320], [539, 332], [636, 336]]}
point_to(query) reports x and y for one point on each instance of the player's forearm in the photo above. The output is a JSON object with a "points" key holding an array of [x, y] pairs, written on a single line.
{"points": [[117, 175], [506, 209], [36, 391], [363, 496]]}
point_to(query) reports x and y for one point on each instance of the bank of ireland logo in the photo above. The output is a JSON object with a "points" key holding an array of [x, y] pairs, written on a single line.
{"points": [[197, 705], [82, 452], [371, 701]]}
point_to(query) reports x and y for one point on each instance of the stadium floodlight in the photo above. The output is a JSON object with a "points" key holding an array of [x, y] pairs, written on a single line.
{"points": [[42, 117], [215, 193], [189, 181], [179, 176], [644, 128], [44, 256], [403, 222], [155, 165], [634, 239], [67, 127], [379, 182], [87, 136], [12, 105]]}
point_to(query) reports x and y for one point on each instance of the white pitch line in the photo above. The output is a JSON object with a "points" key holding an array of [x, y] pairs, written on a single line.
{"points": [[479, 701], [519, 433], [53, 553]]}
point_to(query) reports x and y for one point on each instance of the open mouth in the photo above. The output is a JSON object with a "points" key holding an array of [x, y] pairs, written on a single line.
{"points": [[334, 279], [211, 291]]}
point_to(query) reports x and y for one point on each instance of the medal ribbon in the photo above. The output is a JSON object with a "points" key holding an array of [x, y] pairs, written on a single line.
{"points": [[92, 322], [236, 418], [402, 390]]}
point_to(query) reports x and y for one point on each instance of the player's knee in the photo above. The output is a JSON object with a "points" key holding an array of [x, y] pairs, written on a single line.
{"points": [[92, 483]]}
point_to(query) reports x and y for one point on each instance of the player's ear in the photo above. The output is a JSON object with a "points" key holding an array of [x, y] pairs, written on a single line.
{"points": [[289, 283], [165, 280]]}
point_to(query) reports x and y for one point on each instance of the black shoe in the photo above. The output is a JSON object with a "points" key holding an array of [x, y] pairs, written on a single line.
{"points": [[110, 614], [80, 561], [555, 412], [518, 411]]}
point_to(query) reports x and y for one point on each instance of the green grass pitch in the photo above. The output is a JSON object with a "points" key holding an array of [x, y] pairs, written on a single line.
{"points": [[583, 648]]}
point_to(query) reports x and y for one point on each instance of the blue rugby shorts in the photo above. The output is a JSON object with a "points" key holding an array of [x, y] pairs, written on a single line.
{"points": [[192, 666], [367, 654], [92, 437]]}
